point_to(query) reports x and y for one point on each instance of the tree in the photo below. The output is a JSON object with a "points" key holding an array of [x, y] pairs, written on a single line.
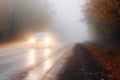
{"points": [[104, 17], [19, 17]]}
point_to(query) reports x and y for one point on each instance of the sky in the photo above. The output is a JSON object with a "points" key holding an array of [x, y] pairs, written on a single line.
{"points": [[68, 20]]}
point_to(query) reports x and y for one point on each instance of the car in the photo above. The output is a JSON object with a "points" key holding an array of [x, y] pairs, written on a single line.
{"points": [[41, 40]]}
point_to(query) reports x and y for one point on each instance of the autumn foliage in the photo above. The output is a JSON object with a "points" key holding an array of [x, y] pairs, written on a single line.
{"points": [[109, 61], [103, 16]]}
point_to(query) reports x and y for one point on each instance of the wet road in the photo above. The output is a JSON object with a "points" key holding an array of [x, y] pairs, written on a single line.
{"points": [[18, 63], [70, 62]]}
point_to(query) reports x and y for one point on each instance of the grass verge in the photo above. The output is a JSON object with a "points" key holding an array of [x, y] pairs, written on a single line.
{"points": [[108, 56]]}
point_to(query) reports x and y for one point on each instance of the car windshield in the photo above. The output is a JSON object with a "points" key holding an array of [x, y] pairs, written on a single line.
{"points": [[41, 34]]}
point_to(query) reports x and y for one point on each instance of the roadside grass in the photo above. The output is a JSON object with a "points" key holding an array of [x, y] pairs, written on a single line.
{"points": [[108, 56], [112, 53], [108, 52]]}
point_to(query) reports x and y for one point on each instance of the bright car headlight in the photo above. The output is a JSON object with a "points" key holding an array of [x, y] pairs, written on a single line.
{"points": [[48, 41], [32, 40]]}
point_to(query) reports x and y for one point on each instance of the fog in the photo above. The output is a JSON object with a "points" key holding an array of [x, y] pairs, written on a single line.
{"points": [[20, 19], [69, 22], [30, 16]]}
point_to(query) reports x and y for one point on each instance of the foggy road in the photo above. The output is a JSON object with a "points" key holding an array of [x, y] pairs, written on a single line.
{"points": [[26, 63], [70, 62]]}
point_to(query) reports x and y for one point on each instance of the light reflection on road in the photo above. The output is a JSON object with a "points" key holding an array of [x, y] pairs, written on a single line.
{"points": [[44, 67], [31, 57], [47, 52], [34, 62]]}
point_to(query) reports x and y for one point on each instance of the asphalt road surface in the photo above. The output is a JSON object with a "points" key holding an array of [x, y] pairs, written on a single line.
{"points": [[26, 63], [69, 62]]}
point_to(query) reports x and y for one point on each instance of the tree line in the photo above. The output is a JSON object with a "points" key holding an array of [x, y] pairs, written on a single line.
{"points": [[22, 17], [103, 17]]}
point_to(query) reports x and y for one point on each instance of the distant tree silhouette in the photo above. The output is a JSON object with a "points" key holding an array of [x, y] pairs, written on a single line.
{"points": [[17, 18]]}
